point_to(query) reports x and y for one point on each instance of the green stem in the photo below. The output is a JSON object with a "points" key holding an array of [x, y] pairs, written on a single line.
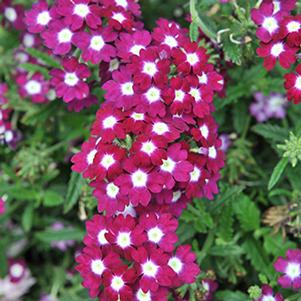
{"points": [[195, 17], [207, 245]]}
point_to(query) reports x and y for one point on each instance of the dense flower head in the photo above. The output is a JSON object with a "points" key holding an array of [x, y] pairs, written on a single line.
{"points": [[293, 85], [290, 267], [13, 14], [270, 106]]}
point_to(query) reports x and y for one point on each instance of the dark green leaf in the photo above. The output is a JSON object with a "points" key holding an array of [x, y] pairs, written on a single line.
{"points": [[277, 172]]}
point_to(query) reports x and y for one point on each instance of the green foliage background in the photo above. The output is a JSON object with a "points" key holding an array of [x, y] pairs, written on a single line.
{"points": [[228, 234]]}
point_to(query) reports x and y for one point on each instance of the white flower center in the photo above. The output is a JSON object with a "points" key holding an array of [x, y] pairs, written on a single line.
{"points": [[119, 17], [298, 83], [277, 6], [212, 152], [170, 41], [293, 26], [97, 43], [195, 174], [138, 116], [142, 296], [122, 3], [179, 95], [160, 128], [97, 267], [114, 65], [176, 196], [65, 35], [33, 87], [136, 49], [101, 237], [71, 79], [268, 298], [124, 239], [176, 264], [128, 210], [203, 79], [277, 49], [16, 270], [204, 131], [91, 156], [109, 122], [117, 283], [28, 40], [139, 178], [192, 58], [148, 147], [127, 89], [150, 68], [206, 286], [43, 18], [270, 24], [196, 94], [10, 14], [81, 10], [293, 270], [153, 94], [150, 269], [9, 136], [168, 165], [107, 161], [155, 235], [112, 190]]}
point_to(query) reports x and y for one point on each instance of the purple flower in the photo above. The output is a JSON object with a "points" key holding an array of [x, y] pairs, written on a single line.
{"points": [[291, 268], [266, 107], [226, 142]]}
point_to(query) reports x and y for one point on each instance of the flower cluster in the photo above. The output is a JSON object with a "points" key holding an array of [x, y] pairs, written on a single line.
{"points": [[8, 135], [270, 106], [153, 148], [280, 34], [17, 282], [146, 244]]}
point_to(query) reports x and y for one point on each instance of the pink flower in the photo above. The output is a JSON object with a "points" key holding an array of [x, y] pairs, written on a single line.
{"points": [[70, 83], [2, 206], [274, 51], [34, 87], [160, 295], [13, 14], [129, 5], [267, 293], [38, 18], [205, 131], [16, 270], [183, 265], [293, 85], [152, 265], [92, 263], [268, 20], [78, 12], [131, 44], [78, 105], [210, 286], [291, 268], [291, 30], [282, 5], [160, 230], [94, 45], [58, 37]]}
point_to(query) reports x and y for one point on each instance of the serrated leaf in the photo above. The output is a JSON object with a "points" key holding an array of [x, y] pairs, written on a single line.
{"points": [[233, 52], [43, 57], [75, 185], [225, 226], [240, 116], [52, 199], [277, 172], [247, 213], [49, 236], [277, 245], [226, 250], [272, 132]]}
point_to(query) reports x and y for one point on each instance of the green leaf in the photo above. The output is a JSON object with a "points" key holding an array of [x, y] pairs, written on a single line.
{"points": [[226, 250], [75, 185], [48, 236], [52, 199], [44, 57], [36, 68], [225, 226], [277, 172], [233, 52], [277, 244], [271, 132], [193, 31], [247, 213], [231, 296], [27, 218]]}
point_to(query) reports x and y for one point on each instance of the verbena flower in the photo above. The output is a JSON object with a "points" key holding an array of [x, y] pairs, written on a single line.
{"points": [[267, 294], [2, 206]]}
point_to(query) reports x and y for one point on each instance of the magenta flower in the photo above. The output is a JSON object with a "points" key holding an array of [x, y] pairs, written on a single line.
{"points": [[160, 230], [70, 83], [274, 51], [268, 294], [94, 46], [290, 267], [268, 20], [78, 12], [58, 37], [38, 18], [210, 286], [12, 14], [293, 85], [129, 5], [2, 206], [291, 30], [34, 87], [78, 105], [183, 264], [16, 270], [205, 131], [160, 295]]}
